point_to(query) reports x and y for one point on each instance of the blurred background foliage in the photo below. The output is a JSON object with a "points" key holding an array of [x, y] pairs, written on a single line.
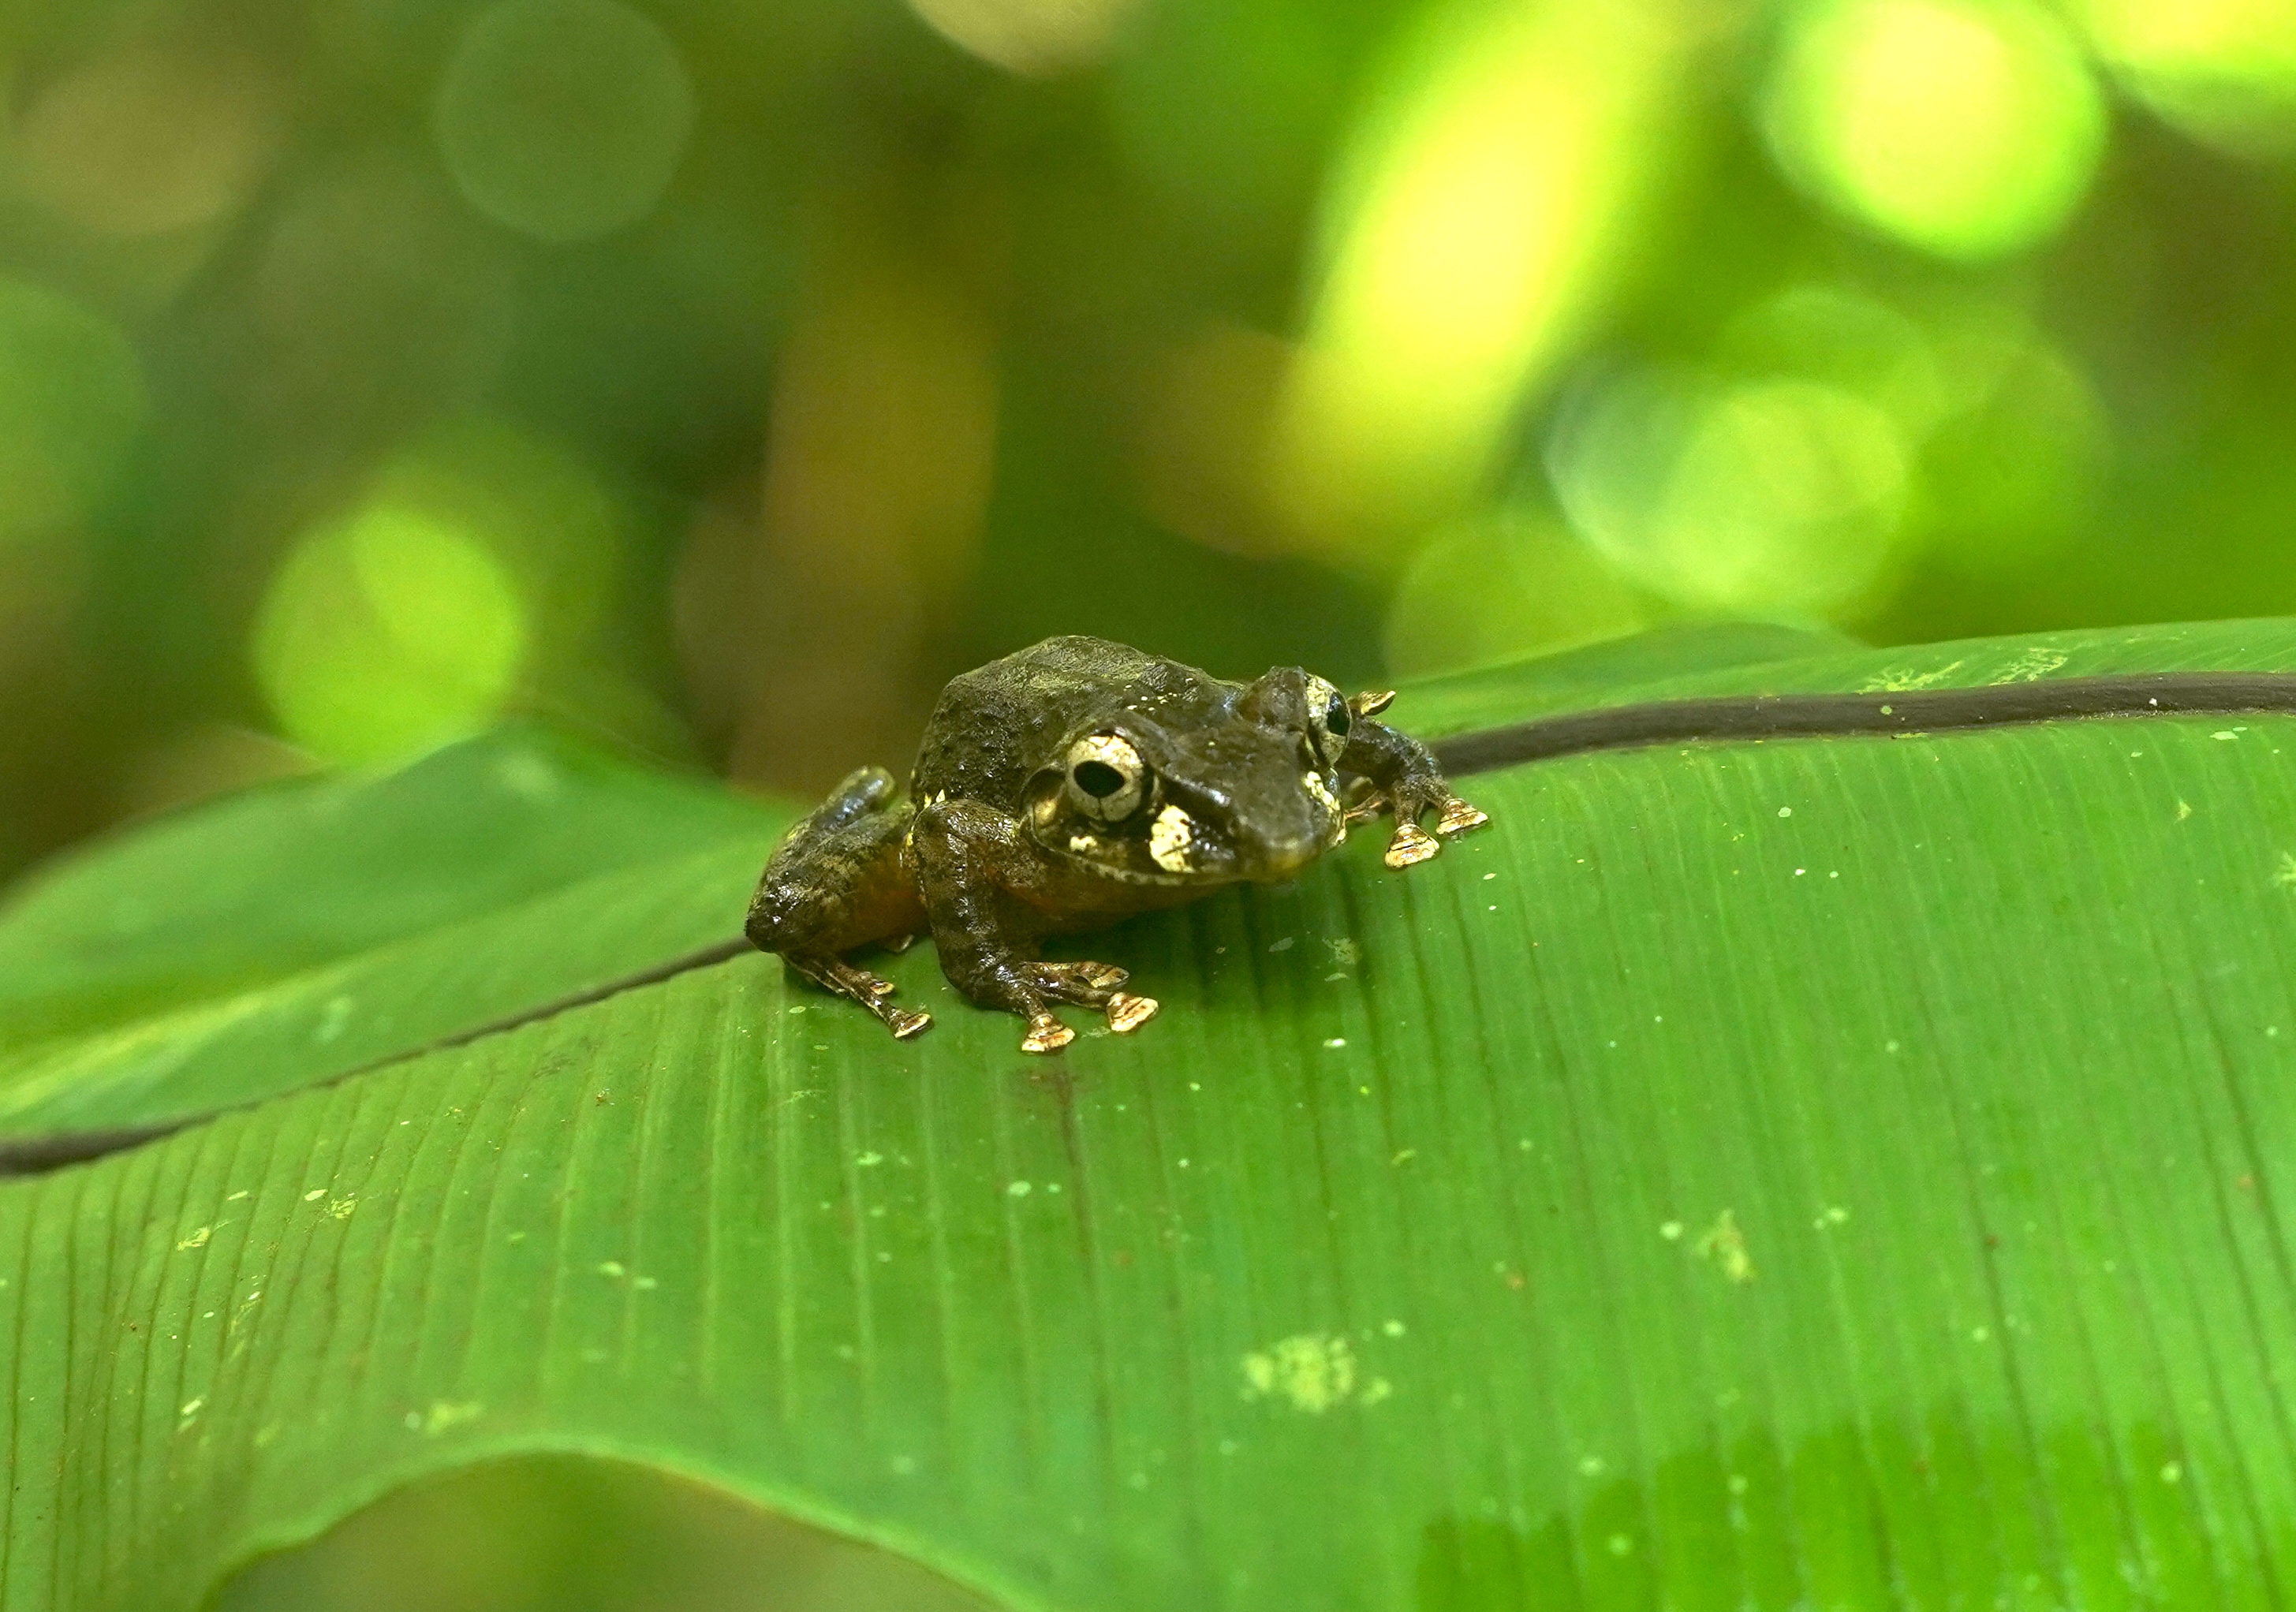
{"points": [[719, 378]]}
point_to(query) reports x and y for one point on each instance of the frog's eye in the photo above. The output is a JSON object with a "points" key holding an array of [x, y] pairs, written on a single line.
{"points": [[1107, 780], [1329, 717]]}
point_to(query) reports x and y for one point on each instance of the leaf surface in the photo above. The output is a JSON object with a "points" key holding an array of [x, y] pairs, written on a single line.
{"points": [[1841, 1173]]}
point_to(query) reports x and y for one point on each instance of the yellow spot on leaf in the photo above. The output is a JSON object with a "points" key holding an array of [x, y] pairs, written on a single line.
{"points": [[1314, 1371], [2032, 665], [444, 1414], [197, 1239], [1903, 680], [1726, 1244]]}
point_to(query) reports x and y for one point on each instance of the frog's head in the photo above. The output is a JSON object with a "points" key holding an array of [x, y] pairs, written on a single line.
{"points": [[1210, 785]]}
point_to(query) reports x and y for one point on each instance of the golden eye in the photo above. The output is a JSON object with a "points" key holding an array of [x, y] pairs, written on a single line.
{"points": [[1106, 779], [1328, 720]]}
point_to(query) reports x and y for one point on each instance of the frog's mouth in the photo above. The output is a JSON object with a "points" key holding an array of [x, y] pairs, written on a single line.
{"points": [[1144, 859]]}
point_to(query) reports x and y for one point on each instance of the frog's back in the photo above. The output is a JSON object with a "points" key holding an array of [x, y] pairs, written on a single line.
{"points": [[994, 726]]}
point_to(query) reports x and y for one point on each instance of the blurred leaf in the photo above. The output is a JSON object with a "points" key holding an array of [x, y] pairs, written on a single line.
{"points": [[1831, 1173]]}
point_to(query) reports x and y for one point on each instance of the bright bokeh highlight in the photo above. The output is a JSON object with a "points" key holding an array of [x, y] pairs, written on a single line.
{"points": [[1473, 232], [71, 399], [143, 141], [2222, 70], [1036, 38], [1842, 337], [564, 119], [1771, 497], [1969, 129], [388, 633], [2017, 470], [1509, 582], [536, 506]]}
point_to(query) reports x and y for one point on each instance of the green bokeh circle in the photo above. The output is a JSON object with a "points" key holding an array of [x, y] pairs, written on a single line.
{"points": [[71, 399], [564, 119]]}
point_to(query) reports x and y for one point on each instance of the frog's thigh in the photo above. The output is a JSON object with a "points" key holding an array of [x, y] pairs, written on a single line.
{"points": [[835, 882], [865, 792]]}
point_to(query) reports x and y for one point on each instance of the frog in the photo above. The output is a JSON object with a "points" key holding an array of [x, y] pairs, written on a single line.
{"points": [[1068, 786]]}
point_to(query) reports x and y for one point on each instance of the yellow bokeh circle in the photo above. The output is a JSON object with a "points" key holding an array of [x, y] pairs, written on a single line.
{"points": [[1771, 497], [388, 633], [1969, 129]]}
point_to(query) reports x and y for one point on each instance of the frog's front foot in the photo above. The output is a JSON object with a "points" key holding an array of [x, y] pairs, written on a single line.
{"points": [[1047, 1033], [1086, 985], [1411, 843]]}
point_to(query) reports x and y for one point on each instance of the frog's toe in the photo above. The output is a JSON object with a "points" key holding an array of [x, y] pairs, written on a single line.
{"points": [[904, 1024], [1045, 1034], [1128, 1013], [1411, 845], [1365, 801], [1086, 985], [1458, 817]]}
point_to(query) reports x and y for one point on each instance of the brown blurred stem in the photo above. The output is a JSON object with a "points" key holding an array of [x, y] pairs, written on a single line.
{"points": [[1759, 716]]}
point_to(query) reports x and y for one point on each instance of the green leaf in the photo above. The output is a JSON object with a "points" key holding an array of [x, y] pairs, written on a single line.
{"points": [[1833, 1173], [298, 932]]}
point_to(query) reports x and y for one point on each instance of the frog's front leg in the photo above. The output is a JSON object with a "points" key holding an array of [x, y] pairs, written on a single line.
{"points": [[973, 868], [836, 882], [1403, 773]]}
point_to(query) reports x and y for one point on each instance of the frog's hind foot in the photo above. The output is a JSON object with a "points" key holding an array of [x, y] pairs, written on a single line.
{"points": [[872, 991]]}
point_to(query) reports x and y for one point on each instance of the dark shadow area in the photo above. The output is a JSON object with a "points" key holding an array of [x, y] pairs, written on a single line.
{"points": [[566, 1534]]}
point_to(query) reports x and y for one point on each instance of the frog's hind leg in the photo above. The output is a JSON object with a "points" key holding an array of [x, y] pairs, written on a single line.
{"points": [[835, 883], [832, 974]]}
